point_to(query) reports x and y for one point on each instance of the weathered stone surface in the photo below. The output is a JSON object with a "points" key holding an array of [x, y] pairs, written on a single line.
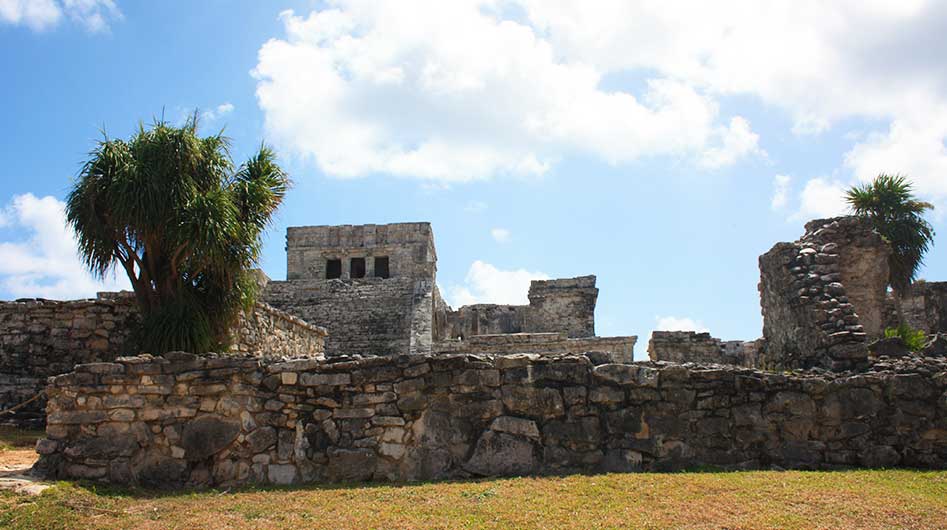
{"points": [[889, 347], [516, 426], [498, 453], [936, 346], [694, 347], [823, 296], [42, 338], [568, 416], [208, 435]]}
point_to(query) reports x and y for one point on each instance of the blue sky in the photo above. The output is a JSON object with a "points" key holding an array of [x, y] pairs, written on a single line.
{"points": [[662, 151]]}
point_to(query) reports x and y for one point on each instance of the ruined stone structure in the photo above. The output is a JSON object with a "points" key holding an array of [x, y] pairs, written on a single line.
{"points": [[564, 305], [924, 307], [691, 346], [42, 338], [374, 288], [411, 389], [600, 349], [370, 286], [189, 421], [814, 292]]}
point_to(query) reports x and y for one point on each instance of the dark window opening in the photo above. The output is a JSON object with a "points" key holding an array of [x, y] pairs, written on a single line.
{"points": [[381, 267], [357, 268], [333, 269]]}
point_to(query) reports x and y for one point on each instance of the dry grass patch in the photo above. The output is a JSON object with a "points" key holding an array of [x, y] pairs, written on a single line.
{"points": [[851, 499]]}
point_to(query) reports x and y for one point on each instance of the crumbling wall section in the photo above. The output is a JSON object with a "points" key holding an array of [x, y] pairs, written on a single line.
{"points": [[694, 347], [189, 421], [269, 331], [566, 305], [809, 319], [610, 349], [369, 316], [924, 307], [42, 338]]}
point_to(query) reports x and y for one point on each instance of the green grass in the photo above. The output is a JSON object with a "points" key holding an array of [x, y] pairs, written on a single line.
{"points": [[704, 498], [760, 499]]}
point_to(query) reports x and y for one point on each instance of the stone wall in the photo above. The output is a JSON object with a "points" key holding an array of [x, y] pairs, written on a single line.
{"points": [[370, 316], [809, 317], [269, 331], [924, 307], [42, 338], [691, 346], [191, 421], [603, 349], [564, 305]]}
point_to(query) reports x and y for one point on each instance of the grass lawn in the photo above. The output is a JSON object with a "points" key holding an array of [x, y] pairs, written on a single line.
{"points": [[849, 499]]}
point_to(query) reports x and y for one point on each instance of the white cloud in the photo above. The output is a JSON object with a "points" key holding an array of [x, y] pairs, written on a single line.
{"points": [[40, 15], [737, 141], [471, 89], [672, 323], [822, 198], [44, 263], [458, 91], [914, 148], [486, 284], [501, 235], [217, 112], [780, 191]]}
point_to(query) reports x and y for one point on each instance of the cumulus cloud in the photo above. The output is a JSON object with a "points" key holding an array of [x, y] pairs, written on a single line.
{"points": [[736, 142], [673, 323], [501, 235], [912, 148], [458, 91], [40, 15], [780, 191], [217, 112], [476, 88], [486, 284], [43, 262], [822, 198]]}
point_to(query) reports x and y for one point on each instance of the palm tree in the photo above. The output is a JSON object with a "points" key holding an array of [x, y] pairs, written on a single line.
{"points": [[889, 202], [182, 222]]}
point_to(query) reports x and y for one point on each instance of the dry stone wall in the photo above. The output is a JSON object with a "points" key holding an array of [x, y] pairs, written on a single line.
{"points": [[42, 338], [809, 317], [369, 316], [269, 331], [564, 305], [600, 349], [924, 307], [691, 346], [189, 421]]}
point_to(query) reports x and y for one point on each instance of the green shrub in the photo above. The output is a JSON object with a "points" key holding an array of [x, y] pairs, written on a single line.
{"points": [[914, 339]]}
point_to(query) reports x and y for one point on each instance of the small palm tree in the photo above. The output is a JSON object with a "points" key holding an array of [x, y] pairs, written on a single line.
{"points": [[889, 202], [185, 226]]}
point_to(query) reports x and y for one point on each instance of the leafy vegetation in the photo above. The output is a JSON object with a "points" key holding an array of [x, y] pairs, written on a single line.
{"points": [[914, 339], [170, 209], [889, 202]]}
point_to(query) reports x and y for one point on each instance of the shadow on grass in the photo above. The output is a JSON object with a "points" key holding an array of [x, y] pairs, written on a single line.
{"points": [[137, 492]]}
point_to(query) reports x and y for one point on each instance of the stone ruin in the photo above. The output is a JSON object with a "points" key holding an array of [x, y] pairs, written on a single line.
{"points": [[399, 386], [374, 288], [824, 298]]}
